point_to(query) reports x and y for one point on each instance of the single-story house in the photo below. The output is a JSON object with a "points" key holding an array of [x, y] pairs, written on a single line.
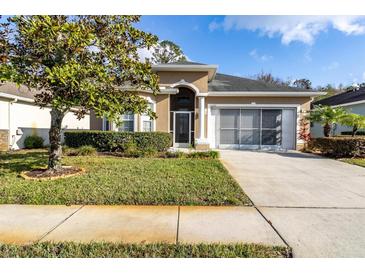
{"points": [[202, 107], [20, 117], [353, 101]]}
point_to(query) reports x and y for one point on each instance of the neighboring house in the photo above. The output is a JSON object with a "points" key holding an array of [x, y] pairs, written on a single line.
{"points": [[201, 107], [353, 101], [20, 117]]}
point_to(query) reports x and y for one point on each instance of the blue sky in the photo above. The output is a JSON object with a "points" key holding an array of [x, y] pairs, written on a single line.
{"points": [[326, 50]]}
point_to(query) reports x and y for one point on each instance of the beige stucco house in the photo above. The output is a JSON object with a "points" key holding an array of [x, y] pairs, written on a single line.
{"points": [[21, 117], [202, 107]]}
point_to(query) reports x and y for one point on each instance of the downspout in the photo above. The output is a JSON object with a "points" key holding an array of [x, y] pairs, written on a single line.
{"points": [[11, 142]]}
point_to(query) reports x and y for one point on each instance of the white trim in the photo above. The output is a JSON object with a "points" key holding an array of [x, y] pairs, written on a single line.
{"points": [[183, 83], [201, 118], [254, 105], [266, 93], [19, 98], [350, 104]]}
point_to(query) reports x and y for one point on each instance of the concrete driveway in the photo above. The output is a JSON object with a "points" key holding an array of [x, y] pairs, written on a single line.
{"points": [[316, 204]]}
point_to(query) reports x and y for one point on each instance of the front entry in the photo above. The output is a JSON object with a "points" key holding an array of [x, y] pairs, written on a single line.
{"points": [[182, 128], [182, 107]]}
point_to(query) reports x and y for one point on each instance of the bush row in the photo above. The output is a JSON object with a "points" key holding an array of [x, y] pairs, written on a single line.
{"points": [[339, 146], [359, 133], [210, 154], [118, 141]]}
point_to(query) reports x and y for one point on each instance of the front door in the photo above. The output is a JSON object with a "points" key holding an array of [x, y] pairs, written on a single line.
{"points": [[182, 129]]}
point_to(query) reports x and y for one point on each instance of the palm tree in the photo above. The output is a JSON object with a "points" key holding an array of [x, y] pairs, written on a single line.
{"points": [[353, 120], [327, 116]]}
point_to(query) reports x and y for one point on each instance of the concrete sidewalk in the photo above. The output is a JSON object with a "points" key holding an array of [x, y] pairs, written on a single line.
{"points": [[25, 224]]}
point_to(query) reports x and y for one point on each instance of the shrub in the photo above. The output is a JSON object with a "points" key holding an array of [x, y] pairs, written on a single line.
{"points": [[211, 154], [81, 151], [174, 154], [359, 133], [86, 151], [118, 141], [339, 146], [33, 141]]}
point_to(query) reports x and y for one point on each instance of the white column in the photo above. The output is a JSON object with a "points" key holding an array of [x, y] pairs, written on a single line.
{"points": [[202, 118]]}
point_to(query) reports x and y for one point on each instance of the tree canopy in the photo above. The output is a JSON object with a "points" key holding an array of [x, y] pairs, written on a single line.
{"points": [[303, 83], [268, 78], [167, 52], [355, 121], [327, 116], [88, 62]]}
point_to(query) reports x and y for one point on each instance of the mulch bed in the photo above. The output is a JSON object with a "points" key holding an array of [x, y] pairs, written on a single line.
{"points": [[44, 174]]}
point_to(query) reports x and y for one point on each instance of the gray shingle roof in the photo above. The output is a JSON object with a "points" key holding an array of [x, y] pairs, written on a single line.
{"points": [[343, 98], [224, 83], [22, 91]]}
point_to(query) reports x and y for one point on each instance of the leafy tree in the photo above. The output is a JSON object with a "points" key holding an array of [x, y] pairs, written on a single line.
{"points": [[327, 116], [268, 78], [167, 52], [88, 62], [330, 91], [353, 120], [303, 83]]}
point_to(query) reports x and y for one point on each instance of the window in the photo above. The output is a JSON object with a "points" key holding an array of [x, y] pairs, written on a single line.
{"points": [[146, 122], [106, 124], [147, 126], [127, 122]]}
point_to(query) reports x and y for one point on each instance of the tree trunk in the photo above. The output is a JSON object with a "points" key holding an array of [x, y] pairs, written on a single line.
{"points": [[55, 149], [354, 131], [326, 130]]}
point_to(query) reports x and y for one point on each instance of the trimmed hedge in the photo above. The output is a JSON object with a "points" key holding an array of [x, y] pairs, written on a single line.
{"points": [[118, 141], [359, 133], [339, 146]]}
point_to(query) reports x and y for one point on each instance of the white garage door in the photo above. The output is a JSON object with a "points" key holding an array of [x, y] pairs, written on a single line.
{"points": [[256, 128]]}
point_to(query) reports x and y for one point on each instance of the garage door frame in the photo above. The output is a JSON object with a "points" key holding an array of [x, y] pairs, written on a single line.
{"points": [[213, 114]]}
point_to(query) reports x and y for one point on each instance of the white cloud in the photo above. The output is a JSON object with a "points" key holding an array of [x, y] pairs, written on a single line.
{"points": [[214, 26], [293, 28], [259, 57], [332, 66]]}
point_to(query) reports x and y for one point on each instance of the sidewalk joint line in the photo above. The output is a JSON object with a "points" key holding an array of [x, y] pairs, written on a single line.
{"points": [[57, 225], [290, 249], [178, 224]]}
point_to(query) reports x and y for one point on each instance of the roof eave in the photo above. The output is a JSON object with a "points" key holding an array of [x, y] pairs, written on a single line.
{"points": [[346, 104], [265, 93]]}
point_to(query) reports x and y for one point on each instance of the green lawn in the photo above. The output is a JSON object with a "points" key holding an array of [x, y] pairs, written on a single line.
{"points": [[355, 161], [112, 250], [115, 180]]}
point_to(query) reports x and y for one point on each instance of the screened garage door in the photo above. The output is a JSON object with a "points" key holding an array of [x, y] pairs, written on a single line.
{"points": [[256, 128]]}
